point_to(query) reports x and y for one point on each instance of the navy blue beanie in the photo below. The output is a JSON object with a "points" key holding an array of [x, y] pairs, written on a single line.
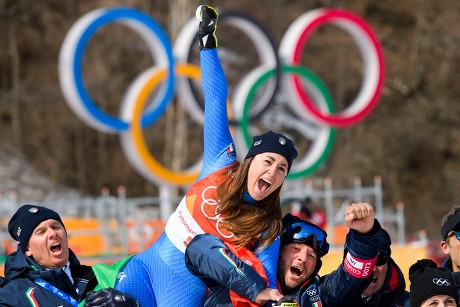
{"points": [[26, 219], [384, 243], [273, 142]]}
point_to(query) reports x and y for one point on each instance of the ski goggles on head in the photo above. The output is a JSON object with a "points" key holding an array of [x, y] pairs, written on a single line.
{"points": [[306, 233]]}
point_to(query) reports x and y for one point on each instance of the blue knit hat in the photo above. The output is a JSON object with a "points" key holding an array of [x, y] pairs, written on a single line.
{"points": [[26, 219], [273, 142]]}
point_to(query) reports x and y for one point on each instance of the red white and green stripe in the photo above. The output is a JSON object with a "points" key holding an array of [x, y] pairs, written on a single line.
{"points": [[230, 260], [31, 298]]}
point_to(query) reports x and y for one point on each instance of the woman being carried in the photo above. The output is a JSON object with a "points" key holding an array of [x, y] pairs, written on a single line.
{"points": [[240, 203]]}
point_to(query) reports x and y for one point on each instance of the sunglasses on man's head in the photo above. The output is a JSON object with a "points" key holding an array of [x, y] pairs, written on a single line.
{"points": [[381, 260], [454, 232]]}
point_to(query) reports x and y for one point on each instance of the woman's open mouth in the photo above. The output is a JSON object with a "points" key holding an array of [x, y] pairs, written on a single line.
{"points": [[264, 185]]}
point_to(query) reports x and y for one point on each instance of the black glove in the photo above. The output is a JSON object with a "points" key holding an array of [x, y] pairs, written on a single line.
{"points": [[207, 28], [109, 297], [286, 301]]}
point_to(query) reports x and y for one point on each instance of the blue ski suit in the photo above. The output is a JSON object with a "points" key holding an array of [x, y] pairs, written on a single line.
{"points": [[158, 276]]}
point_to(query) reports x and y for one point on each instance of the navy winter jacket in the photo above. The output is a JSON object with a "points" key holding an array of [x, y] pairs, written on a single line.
{"points": [[447, 263], [210, 260], [22, 277], [393, 292]]}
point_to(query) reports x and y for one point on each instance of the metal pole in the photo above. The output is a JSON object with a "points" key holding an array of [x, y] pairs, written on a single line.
{"points": [[122, 214], [378, 198], [166, 206], [401, 222], [357, 189], [328, 201]]}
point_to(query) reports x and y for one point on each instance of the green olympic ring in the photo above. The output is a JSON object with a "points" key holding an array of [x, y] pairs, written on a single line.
{"points": [[323, 145]]}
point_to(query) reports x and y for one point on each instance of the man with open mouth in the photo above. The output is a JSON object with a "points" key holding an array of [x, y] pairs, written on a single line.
{"points": [[302, 246], [387, 287], [44, 271]]}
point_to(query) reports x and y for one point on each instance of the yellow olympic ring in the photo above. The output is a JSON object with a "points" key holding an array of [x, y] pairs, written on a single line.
{"points": [[159, 172]]}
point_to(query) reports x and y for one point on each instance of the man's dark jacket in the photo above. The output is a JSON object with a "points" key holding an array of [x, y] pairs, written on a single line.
{"points": [[210, 260], [20, 289], [393, 292], [447, 263]]}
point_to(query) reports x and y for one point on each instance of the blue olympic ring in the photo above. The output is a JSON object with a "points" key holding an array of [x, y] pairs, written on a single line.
{"points": [[134, 18]]}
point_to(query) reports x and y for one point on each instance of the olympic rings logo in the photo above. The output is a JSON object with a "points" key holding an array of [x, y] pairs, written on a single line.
{"points": [[311, 292], [311, 105], [441, 282], [208, 209]]}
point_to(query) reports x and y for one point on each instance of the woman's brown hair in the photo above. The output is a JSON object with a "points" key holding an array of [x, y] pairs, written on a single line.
{"points": [[248, 222]]}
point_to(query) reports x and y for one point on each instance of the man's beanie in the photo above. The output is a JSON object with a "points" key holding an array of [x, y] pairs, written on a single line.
{"points": [[26, 219], [428, 280], [273, 142], [384, 243]]}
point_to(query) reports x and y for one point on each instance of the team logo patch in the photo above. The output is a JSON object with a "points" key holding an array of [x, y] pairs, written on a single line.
{"points": [[33, 210], [121, 276], [317, 304], [18, 231], [230, 150], [257, 143], [311, 292], [441, 282], [282, 141], [119, 298]]}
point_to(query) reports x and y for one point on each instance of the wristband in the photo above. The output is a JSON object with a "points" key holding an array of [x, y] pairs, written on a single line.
{"points": [[359, 268]]}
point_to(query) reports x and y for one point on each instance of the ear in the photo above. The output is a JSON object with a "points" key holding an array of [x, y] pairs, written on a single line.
{"points": [[445, 247], [318, 266], [28, 252]]}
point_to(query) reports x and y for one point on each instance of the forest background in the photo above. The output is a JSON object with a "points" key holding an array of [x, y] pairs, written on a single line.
{"points": [[411, 139]]}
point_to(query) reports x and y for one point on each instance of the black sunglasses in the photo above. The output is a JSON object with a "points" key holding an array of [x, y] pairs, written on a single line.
{"points": [[381, 260]]}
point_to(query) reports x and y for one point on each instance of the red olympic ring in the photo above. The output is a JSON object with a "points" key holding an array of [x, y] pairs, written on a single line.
{"points": [[372, 57]]}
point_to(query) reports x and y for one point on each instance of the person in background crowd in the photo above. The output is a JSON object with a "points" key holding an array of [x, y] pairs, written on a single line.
{"points": [[450, 239], [239, 203], [388, 287], [45, 272], [431, 286], [450, 243], [310, 211], [303, 244]]}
